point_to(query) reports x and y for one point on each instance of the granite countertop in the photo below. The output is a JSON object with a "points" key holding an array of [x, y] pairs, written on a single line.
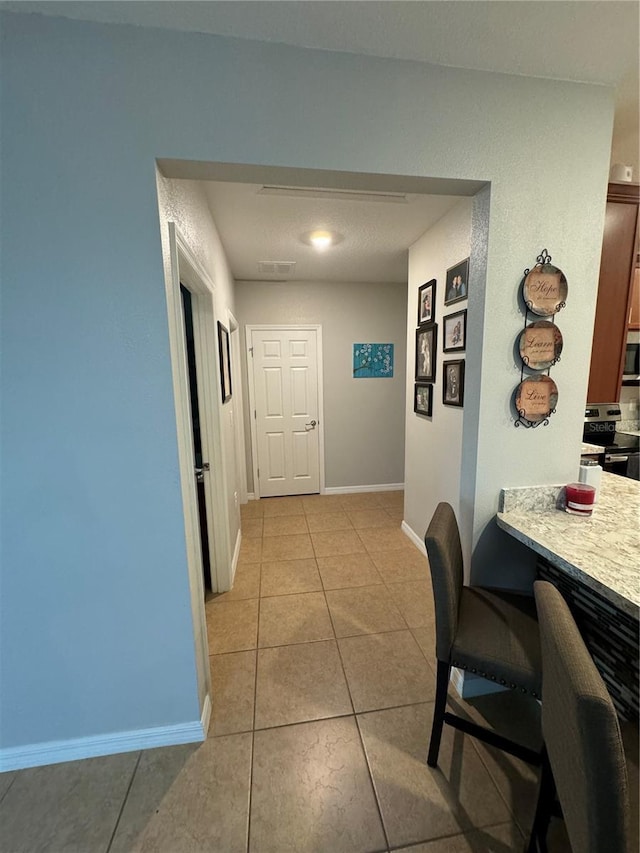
{"points": [[602, 551], [591, 448]]}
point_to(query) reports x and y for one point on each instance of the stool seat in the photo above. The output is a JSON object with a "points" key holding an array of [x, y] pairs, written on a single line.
{"points": [[497, 638]]}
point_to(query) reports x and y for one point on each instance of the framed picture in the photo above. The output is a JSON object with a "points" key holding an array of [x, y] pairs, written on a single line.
{"points": [[426, 302], [225, 362], [457, 284], [373, 361], [426, 337], [455, 332], [423, 399], [453, 383]]}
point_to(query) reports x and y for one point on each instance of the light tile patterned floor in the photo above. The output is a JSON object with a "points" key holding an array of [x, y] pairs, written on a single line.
{"points": [[322, 670]]}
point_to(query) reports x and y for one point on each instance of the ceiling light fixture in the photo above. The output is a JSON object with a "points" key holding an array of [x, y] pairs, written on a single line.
{"points": [[321, 239]]}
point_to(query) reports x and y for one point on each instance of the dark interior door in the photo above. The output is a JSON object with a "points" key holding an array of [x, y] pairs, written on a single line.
{"points": [[200, 464]]}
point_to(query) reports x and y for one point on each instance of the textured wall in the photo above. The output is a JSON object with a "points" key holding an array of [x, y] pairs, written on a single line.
{"points": [[363, 418], [96, 626], [434, 445]]}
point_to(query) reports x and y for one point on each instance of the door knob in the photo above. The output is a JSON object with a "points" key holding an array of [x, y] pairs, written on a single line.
{"points": [[311, 425], [199, 472]]}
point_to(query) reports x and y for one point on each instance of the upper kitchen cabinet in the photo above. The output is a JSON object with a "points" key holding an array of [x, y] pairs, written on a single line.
{"points": [[634, 312], [615, 293]]}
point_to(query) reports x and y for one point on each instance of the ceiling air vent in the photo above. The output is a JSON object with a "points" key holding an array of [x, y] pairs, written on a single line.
{"points": [[340, 195], [276, 267]]}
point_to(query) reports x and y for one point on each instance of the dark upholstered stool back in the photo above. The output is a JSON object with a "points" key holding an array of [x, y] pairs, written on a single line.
{"points": [[487, 632], [442, 541], [581, 733]]}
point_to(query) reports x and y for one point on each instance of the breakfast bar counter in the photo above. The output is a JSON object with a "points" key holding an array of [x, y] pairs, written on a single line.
{"points": [[602, 551], [594, 561]]}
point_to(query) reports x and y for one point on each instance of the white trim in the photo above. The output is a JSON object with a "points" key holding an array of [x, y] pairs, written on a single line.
{"points": [[205, 717], [57, 751], [248, 331], [238, 409], [236, 556], [179, 371], [349, 490], [411, 534], [251, 497], [320, 367]]}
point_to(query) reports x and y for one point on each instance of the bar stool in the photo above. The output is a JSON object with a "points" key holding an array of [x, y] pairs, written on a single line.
{"points": [[489, 633], [583, 757]]}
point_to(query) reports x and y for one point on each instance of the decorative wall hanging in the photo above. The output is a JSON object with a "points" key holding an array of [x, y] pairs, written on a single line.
{"points": [[544, 291], [426, 302], [540, 344], [225, 362], [373, 361], [457, 284], [455, 332], [453, 383], [544, 287], [426, 337], [536, 398], [423, 399]]}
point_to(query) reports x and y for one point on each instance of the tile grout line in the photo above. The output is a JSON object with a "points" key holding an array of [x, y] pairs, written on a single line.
{"points": [[478, 750], [372, 782], [462, 834], [253, 726], [124, 802], [335, 639], [355, 718], [344, 716], [11, 784]]}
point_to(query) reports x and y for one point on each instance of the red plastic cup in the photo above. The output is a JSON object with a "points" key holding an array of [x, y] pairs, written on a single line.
{"points": [[580, 498]]}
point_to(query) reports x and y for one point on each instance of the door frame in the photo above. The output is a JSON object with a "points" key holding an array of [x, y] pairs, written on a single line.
{"points": [[303, 327], [238, 409], [185, 268]]}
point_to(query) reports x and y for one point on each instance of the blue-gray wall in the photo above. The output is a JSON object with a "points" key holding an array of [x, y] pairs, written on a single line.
{"points": [[96, 626]]}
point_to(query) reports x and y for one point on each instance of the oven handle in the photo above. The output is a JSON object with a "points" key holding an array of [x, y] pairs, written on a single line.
{"points": [[609, 457]]}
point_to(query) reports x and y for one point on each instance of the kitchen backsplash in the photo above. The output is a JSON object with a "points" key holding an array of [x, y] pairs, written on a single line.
{"points": [[629, 408]]}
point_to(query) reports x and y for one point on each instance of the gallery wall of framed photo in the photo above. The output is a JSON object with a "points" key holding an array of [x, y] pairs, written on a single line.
{"points": [[453, 336]]}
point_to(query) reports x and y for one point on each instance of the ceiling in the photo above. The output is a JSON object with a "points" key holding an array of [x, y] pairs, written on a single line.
{"points": [[377, 230], [577, 40]]}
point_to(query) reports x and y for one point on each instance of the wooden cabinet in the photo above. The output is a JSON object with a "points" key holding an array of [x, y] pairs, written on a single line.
{"points": [[615, 293], [634, 311]]}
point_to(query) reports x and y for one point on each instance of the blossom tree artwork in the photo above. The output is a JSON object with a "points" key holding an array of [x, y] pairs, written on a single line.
{"points": [[371, 361]]}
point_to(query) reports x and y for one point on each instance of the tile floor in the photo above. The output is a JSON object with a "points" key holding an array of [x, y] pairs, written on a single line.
{"points": [[322, 669]]}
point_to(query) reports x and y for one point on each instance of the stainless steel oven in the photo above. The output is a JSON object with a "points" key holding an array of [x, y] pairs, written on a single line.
{"points": [[620, 452]]}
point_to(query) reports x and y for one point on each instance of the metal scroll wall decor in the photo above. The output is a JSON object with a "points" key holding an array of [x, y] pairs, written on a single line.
{"points": [[544, 291]]}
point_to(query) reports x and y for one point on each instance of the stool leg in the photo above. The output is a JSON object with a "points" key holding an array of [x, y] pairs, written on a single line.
{"points": [[544, 808], [442, 684]]}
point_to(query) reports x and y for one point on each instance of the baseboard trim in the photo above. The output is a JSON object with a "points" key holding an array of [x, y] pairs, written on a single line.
{"points": [[57, 751], [205, 717], [411, 534], [349, 490], [236, 557]]}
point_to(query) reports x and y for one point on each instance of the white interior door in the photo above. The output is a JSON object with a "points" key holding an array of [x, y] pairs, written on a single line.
{"points": [[286, 410]]}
